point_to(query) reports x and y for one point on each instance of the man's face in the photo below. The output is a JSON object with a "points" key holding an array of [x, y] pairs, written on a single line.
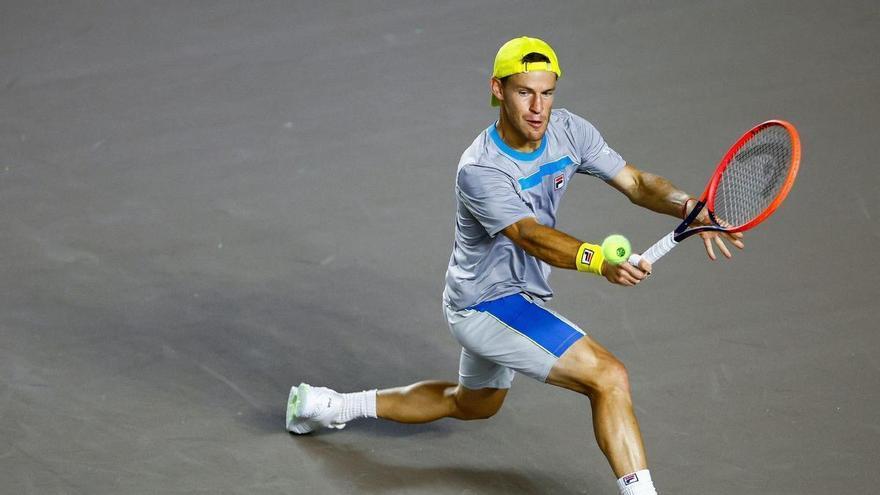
{"points": [[526, 100]]}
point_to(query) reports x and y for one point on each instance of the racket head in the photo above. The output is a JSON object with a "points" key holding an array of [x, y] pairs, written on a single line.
{"points": [[754, 176]]}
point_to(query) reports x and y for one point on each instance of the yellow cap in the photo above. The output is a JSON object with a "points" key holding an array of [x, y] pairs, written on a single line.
{"points": [[508, 60]]}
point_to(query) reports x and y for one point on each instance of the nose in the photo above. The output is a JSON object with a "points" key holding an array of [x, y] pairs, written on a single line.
{"points": [[537, 104]]}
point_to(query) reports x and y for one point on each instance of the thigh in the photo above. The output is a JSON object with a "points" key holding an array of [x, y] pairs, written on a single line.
{"points": [[475, 372]]}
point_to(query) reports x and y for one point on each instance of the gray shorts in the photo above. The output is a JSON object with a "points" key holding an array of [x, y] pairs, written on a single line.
{"points": [[512, 333]]}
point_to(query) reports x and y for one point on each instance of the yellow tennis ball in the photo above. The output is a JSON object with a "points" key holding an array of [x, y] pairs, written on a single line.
{"points": [[616, 249]]}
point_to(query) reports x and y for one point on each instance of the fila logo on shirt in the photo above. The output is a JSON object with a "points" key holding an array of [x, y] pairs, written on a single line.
{"points": [[559, 181]]}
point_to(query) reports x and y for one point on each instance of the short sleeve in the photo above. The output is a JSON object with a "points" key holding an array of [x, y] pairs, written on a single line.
{"points": [[490, 196], [597, 158]]}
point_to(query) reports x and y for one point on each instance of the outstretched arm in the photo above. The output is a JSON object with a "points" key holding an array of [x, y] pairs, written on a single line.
{"points": [[560, 250], [650, 191], [658, 194]]}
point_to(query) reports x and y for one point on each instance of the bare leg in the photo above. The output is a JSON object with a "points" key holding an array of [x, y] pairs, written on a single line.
{"points": [[431, 400], [590, 369]]}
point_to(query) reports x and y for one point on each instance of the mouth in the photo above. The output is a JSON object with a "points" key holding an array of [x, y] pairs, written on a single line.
{"points": [[535, 124]]}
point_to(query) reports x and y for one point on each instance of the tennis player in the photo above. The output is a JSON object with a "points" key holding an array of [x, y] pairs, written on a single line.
{"points": [[509, 184]]}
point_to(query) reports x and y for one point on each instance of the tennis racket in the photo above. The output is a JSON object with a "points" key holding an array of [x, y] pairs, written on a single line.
{"points": [[750, 183]]}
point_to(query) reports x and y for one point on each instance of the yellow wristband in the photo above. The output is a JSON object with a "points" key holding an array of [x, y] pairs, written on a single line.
{"points": [[590, 258]]}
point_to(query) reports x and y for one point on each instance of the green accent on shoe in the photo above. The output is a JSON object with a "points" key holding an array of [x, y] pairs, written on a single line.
{"points": [[291, 404], [302, 393]]}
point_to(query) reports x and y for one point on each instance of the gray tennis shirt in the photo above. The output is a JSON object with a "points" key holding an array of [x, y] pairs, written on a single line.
{"points": [[497, 186]]}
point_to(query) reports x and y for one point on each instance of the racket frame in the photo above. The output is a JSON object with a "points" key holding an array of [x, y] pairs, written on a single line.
{"points": [[712, 187], [707, 199]]}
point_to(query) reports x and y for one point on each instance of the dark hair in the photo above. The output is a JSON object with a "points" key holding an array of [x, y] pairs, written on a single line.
{"points": [[530, 58], [535, 57]]}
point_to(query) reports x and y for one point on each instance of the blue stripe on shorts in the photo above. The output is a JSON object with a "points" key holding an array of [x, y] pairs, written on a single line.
{"points": [[533, 321]]}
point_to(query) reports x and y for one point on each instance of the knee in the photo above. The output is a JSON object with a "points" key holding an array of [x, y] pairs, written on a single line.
{"points": [[612, 377], [607, 376], [475, 414], [481, 410]]}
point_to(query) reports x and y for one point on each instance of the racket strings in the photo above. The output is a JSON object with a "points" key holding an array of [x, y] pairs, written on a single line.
{"points": [[754, 177]]}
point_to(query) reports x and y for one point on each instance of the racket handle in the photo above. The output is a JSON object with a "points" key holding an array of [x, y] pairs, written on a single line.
{"points": [[655, 252]]}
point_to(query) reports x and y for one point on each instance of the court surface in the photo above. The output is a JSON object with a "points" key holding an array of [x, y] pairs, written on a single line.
{"points": [[204, 203]]}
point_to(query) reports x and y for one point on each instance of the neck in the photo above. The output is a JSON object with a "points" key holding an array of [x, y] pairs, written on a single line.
{"points": [[513, 138]]}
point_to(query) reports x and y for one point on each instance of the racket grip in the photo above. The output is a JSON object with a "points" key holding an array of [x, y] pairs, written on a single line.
{"points": [[655, 252]]}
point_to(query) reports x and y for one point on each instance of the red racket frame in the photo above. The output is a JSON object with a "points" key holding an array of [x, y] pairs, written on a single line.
{"points": [[708, 197]]}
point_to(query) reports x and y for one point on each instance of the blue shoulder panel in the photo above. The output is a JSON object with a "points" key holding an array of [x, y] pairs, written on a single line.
{"points": [[545, 170]]}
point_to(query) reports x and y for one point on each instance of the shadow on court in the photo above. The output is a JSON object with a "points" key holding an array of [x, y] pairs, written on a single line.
{"points": [[359, 471]]}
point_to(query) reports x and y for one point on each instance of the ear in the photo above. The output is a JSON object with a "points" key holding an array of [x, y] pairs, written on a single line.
{"points": [[497, 88]]}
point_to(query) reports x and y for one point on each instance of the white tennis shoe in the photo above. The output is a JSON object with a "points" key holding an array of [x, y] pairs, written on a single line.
{"points": [[310, 408]]}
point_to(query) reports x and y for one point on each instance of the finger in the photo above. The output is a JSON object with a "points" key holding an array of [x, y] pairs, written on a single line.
{"points": [[625, 274], [723, 247], [707, 242], [635, 278], [645, 266], [634, 272], [735, 238]]}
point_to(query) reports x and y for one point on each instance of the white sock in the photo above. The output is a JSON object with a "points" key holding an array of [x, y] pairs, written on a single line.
{"points": [[638, 483], [358, 405]]}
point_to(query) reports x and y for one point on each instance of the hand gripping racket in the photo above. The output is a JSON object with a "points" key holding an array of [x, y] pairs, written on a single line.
{"points": [[749, 184]]}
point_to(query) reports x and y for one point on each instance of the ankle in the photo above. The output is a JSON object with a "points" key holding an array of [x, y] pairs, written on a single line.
{"points": [[637, 483], [358, 405]]}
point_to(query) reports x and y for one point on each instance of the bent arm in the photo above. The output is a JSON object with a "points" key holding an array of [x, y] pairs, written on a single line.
{"points": [[650, 191], [562, 250], [545, 243]]}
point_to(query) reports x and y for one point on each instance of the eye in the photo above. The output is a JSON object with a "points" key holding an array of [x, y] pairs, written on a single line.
{"points": [[523, 92]]}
